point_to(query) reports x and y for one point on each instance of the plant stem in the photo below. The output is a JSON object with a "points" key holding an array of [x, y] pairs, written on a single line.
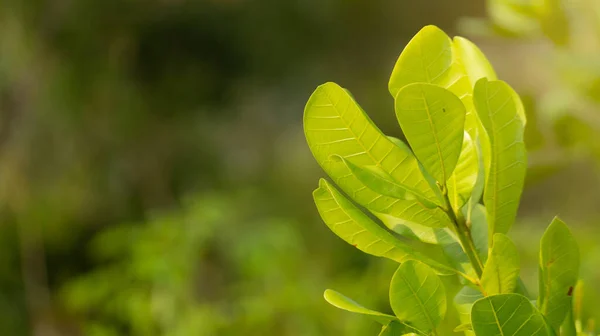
{"points": [[464, 235]]}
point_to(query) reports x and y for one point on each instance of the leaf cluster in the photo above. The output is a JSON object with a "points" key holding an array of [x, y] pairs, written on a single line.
{"points": [[441, 203]]}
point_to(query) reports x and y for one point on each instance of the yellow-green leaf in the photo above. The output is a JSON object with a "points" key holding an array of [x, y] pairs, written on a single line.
{"points": [[498, 111], [376, 179], [507, 315], [417, 296], [559, 269], [501, 270], [474, 61], [463, 178], [432, 119], [463, 302], [334, 124], [357, 229], [343, 302]]}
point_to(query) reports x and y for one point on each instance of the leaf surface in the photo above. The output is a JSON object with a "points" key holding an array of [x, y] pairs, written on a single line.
{"points": [[357, 229], [376, 179], [463, 302], [396, 328], [432, 119], [343, 302], [507, 315], [505, 167], [334, 124], [501, 270], [476, 65], [417, 296], [464, 176], [559, 269]]}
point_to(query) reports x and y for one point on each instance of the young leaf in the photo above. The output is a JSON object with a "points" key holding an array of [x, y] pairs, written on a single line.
{"points": [[559, 268], [505, 168], [433, 120], [428, 58], [417, 296], [501, 270], [462, 180], [463, 302], [357, 229], [444, 237], [343, 302], [396, 328], [463, 327], [376, 179], [474, 61], [479, 230], [476, 66], [568, 326], [508, 315], [335, 125]]}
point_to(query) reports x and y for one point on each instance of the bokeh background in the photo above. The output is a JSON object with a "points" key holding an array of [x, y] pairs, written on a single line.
{"points": [[154, 178]]}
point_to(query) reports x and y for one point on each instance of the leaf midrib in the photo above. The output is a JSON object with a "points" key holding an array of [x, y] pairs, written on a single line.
{"points": [[368, 151], [421, 304], [435, 136]]}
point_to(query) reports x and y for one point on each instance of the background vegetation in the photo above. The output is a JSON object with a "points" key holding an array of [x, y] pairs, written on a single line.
{"points": [[155, 180]]}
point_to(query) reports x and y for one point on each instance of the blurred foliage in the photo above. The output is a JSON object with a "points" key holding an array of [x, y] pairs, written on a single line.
{"points": [[153, 170]]}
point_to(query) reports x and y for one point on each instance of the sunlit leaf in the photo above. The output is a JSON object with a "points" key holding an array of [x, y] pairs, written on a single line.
{"points": [[335, 125], [376, 179], [417, 296], [463, 178], [506, 166], [474, 61], [476, 66], [559, 268], [432, 119], [343, 302], [357, 229], [463, 327], [396, 328], [502, 267], [463, 302], [479, 230], [507, 315]]}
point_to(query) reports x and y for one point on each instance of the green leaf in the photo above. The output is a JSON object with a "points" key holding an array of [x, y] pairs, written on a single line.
{"points": [[432, 119], [559, 268], [463, 327], [568, 326], [505, 168], [428, 58], [345, 303], [476, 66], [474, 61], [376, 179], [357, 229], [507, 315], [464, 176], [417, 296], [391, 324], [396, 328], [463, 302], [501, 270], [479, 230], [445, 238], [335, 125]]}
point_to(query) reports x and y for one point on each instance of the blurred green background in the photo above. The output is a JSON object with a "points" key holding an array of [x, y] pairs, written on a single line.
{"points": [[154, 178]]}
